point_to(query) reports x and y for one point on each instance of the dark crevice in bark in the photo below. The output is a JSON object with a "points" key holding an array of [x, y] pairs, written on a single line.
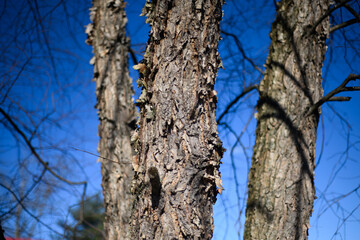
{"points": [[155, 186]]}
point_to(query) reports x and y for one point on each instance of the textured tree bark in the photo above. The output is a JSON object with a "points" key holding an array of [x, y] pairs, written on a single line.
{"points": [[176, 168], [281, 179], [116, 111]]}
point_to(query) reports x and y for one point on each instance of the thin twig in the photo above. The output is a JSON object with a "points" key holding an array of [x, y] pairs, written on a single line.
{"points": [[45, 164], [339, 99], [15, 79], [344, 220], [95, 228], [233, 102], [82, 210], [39, 19], [326, 14], [26, 194], [339, 89], [133, 56], [33, 151], [77, 149], [351, 10], [344, 24], [242, 51], [26, 210]]}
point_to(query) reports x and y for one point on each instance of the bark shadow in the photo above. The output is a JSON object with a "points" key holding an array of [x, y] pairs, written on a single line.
{"points": [[278, 112]]}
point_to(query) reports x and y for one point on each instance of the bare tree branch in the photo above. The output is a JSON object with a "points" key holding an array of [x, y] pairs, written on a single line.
{"points": [[327, 13], [15, 79], [96, 155], [95, 228], [81, 220], [26, 210], [351, 10], [133, 56], [233, 165], [344, 220], [236, 99], [344, 24], [26, 194], [339, 99], [39, 19], [242, 51], [339, 89], [340, 116], [33, 151]]}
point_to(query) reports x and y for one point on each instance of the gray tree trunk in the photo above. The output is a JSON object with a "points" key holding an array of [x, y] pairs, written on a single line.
{"points": [[281, 179], [176, 168], [116, 111]]}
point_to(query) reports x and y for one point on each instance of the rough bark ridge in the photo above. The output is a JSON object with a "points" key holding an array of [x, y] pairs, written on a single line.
{"points": [[116, 111], [176, 169], [281, 179]]}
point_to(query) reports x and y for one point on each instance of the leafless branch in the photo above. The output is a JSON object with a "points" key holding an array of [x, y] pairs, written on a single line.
{"points": [[339, 99], [339, 89], [96, 155], [28, 212], [39, 19], [133, 56], [338, 199], [82, 219], [344, 24], [327, 13], [242, 51], [351, 10], [344, 220], [15, 79], [26, 194], [33, 151], [82, 209], [236, 99], [340, 116], [233, 165], [95, 228]]}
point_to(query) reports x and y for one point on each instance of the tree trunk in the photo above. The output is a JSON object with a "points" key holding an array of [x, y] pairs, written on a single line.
{"points": [[176, 168], [116, 111], [281, 179]]}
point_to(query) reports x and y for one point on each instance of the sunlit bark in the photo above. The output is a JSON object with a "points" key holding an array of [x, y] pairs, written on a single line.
{"points": [[176, 168], [116, 111], [281, 179]]}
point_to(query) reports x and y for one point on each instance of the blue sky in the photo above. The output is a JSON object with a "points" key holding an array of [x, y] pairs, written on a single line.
{"points": [[70, 94]]}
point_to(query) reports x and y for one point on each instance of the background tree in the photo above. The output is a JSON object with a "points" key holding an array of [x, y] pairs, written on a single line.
{"points": [[242, 57], [90, 216], [116, 111], [281, 179]]}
